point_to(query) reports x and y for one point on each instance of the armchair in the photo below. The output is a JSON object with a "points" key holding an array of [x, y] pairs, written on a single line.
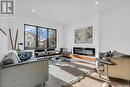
{"points": [[120, 70]]}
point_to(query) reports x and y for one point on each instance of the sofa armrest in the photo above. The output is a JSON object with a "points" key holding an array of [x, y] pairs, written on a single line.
{"points": [[121, 69], [26, 74]]}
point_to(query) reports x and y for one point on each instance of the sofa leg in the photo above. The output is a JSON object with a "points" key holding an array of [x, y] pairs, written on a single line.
{"points": [[99, 74], [43, 84]]}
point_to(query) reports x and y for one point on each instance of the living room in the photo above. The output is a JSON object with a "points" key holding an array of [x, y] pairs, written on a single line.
{"points": [[82, 30]]}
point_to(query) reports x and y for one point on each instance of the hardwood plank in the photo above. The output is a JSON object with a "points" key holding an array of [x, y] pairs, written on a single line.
{"points": [[83, 57]]}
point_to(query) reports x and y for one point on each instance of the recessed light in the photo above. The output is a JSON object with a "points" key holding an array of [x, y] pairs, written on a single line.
{"points": [[33, 10], [96, 2]]}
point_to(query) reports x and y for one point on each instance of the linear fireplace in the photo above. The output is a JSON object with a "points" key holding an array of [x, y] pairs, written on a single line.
{"points": [[84, 51]]}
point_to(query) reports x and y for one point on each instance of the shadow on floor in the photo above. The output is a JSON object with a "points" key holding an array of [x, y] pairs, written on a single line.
{"points": [[72, 70], [115, 82], [54, 82], [81, 66], [119, 82]]}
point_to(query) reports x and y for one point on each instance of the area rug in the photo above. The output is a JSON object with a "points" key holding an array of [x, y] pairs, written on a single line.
{"points": [[67, 74]]}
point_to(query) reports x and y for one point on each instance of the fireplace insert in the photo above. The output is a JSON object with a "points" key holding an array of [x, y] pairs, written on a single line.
{"points": [[84, 51]]}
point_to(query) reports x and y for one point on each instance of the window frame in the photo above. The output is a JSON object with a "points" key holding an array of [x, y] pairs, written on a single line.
{"points": [[37, 37]]}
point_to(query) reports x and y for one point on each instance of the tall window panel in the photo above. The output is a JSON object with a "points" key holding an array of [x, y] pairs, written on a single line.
{"points": [[42, 38], [30, 37], [36, 37], [52, 38]]}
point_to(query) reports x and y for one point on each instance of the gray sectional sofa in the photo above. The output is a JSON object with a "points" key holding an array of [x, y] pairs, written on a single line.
{"points": [[31, 73]]}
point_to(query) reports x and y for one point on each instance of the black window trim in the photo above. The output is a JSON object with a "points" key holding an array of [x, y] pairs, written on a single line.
{"points": [[37, 37]]}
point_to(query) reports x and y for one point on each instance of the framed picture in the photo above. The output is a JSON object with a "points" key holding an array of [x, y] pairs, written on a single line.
{"points": [[84, 35]]}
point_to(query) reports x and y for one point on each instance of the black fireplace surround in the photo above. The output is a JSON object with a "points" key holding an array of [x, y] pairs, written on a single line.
{"points": [[84, 51]]}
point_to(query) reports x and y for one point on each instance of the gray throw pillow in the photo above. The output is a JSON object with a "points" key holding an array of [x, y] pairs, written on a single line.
{"points": [[7, 61]]}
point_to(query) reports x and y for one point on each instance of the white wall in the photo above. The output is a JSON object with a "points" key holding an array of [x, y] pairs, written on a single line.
{"points": [[91, 20], [19, 21], [3, 38], [115, 30]]}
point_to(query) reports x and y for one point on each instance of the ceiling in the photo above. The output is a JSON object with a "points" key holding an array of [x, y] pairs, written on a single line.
{"points": [[64, 10]]}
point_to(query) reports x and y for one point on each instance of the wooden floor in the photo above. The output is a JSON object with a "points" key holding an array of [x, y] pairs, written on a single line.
{"points": [[88, 82], [83, 57]]}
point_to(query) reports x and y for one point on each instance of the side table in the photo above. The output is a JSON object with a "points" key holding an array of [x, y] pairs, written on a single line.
{"points": [[106, 62]]}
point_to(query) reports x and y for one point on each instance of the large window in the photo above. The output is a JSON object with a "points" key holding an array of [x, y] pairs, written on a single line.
{"points": [[36, 37]]}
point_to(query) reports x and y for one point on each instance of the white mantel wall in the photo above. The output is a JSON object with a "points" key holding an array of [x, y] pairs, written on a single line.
{"points": [[91, 20]]}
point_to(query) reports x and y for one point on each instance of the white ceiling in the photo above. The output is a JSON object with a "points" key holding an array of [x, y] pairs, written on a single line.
{"points": [[64, 10]]}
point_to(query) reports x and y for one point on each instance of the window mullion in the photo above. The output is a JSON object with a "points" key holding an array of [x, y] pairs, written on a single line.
{"points": [[47, 38], [36, 37]]}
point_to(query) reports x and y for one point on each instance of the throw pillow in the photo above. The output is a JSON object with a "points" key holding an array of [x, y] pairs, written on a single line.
{"points": [[25, 55], [8, 61]]}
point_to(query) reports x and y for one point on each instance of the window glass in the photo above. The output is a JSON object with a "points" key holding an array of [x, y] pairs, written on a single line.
{"points": [[52, 38], [39, 37], [30, 37], [42, 38]]}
